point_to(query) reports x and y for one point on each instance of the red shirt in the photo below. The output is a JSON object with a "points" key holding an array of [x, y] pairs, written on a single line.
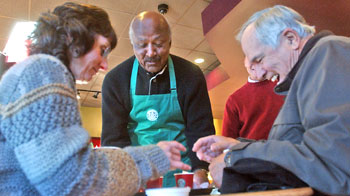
{"points": [[251, 111]]}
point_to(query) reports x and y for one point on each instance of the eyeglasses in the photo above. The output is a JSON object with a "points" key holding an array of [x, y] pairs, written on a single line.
{"points": [[105, 52]]}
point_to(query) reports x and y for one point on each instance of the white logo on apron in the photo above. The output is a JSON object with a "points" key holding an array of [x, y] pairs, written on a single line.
{"points": [[152, 115]]}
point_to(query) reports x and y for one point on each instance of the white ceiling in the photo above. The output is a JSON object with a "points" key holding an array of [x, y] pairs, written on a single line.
{"points": [[184, 17]]}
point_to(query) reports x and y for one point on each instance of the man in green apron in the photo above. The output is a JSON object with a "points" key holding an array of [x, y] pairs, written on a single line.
{"points": [[166, 100]]}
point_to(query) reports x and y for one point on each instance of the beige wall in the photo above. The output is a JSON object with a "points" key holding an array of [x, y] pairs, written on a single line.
{"points": [[92, 121]]}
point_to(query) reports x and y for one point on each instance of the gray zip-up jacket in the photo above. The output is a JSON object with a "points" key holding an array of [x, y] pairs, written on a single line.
{"points": [[311, 134]]}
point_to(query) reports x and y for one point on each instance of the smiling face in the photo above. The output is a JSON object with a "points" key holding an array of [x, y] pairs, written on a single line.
{"points": [[265, 60], [151, 41], [86, 66]]}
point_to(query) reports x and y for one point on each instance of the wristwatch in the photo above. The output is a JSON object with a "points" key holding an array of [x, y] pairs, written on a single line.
{"points": [[227, 159]]}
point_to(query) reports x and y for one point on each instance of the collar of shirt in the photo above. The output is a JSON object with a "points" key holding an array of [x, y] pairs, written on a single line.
{"points": [[151, 75], [154, 77], [284, 86], [253, 81]]}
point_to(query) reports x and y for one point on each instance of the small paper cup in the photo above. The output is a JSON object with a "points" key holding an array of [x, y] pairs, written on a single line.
{"points": [[157, 183], [184, 179]]}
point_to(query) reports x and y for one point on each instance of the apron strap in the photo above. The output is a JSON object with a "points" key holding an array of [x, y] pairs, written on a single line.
{"points": [[172, 75], [133, 78]]}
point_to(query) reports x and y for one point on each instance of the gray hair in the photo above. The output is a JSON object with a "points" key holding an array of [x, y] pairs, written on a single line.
{"points": [[131, 30], [271, 22]]}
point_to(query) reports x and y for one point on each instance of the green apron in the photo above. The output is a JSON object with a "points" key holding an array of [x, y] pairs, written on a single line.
{"points": [[157, 117]]}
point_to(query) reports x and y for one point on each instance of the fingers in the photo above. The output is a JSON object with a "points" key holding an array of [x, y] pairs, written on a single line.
{"points": [[206, 158], [210, 156], [176, 163], [206, 154], [203, 148], [177, 145], [174, 146], [171, 146], [179, 165], [175, 151], [214, 143], [172, 150], [201, 153], [221, 146], [175, 157], [204, 141]]}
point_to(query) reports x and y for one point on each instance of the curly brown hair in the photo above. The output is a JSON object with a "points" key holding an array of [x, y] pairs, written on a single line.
{"points": [[70, 30]]}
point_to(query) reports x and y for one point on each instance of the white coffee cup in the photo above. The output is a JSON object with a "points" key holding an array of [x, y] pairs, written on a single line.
{"points": [[174, 191]]}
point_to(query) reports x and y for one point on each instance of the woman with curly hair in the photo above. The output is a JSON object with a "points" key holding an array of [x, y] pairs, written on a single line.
{"points": [[43, 148]]}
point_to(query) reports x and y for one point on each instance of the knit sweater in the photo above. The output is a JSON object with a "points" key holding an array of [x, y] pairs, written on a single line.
{"points": [[251, 110], [45, 151]]}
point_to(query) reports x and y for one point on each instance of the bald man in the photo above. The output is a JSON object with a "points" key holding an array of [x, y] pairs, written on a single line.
{"points": [[155, 96]]}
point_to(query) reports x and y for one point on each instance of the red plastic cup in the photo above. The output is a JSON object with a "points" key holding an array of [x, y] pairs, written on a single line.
{"points": [[157, 183], [184, 179]]}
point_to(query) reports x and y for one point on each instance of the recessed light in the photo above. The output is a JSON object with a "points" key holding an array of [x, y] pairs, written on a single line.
{"points": [[199, 60]]}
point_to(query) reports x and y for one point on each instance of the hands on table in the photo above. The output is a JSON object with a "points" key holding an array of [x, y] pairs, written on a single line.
{"points": [[172, 150], [210, 149]]}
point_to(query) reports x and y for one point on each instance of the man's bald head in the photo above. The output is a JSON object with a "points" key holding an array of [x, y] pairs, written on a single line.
{"points": [[144, 20], [151, 40]]}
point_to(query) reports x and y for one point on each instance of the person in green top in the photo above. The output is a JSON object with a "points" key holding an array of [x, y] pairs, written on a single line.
{"points": [[155, 96]]}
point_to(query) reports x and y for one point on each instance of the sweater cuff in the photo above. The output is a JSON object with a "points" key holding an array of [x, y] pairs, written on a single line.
{"points": [[150, 160]]}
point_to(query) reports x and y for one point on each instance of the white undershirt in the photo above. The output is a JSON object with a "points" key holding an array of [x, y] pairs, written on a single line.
{"points": [[252, 81]]}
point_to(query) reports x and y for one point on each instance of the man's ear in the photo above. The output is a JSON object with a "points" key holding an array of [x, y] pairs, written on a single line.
{"points": [[291, 37]]}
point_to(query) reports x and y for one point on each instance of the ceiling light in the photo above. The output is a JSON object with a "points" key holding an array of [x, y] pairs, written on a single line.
{"points": [[199, 60]]}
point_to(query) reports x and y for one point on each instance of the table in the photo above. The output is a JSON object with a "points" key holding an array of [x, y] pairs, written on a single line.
{"points": [[305, 191]]}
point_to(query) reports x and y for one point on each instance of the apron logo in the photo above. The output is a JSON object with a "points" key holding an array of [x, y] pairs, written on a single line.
{"points": [[152, 115]]}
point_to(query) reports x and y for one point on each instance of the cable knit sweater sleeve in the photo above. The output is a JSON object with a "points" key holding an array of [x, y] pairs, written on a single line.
{"points": [[40, 121]]}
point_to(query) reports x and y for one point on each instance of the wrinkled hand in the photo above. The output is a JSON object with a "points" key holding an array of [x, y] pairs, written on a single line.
{"points": [[200, 176], [172, 151], [216, 169], [207, 148]]}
